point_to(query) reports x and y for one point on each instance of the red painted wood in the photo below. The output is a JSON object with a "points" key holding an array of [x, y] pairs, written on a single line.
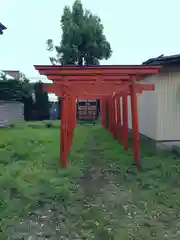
{"points": [[109, 113], [74, 112], [113, 117], [73, 117], [144, 87], [119, 127], [104, 111], [62, 134], [99, 72], [79, 70], [135, 127], [102, 67], [57, 89], [70, 123], [64, 129], [90, 88], [98, 82], [93, 78], [89, 78], [101, 111], [125, 121]]}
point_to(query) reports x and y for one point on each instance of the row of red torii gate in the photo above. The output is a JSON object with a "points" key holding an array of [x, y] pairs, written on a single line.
{"points": [[107, 83]]}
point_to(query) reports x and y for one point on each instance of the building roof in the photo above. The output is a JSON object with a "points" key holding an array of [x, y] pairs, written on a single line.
{"points": [[7, 76], [2, 27], [12, 73], [163, 60]]}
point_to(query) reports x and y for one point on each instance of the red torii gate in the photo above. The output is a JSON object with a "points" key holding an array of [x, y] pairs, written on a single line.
{"points": [[107, 83]]}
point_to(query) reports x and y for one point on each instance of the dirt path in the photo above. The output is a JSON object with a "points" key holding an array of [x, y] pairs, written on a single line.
{"points": [[89, 215], [109, 200], [99, 196]]}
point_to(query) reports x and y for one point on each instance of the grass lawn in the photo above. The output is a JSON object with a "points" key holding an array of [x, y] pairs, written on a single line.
{"points": [[100, 196]]}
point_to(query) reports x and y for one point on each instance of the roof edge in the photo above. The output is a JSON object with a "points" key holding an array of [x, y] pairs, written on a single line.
{"points": [[162, 60]]}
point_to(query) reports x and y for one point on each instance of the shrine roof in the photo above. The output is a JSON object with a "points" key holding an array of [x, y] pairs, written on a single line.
{"points": [[94, 67], [103, 70]]}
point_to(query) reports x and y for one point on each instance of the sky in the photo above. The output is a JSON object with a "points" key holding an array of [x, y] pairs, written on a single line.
{"points": [[136, 29]]}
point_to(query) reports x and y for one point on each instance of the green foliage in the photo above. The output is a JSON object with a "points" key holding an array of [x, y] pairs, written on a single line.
{"points": [[14, 89], [59, 108], [30, 179], [41, 102], [28, 108], [20, 89], [101, 195], [83, 41]]}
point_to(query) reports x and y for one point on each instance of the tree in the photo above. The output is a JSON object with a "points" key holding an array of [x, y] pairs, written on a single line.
{"points": [[41, 105], [20, 89], [14, 89], [59, 108], [28, 108], [83, 41], [17, 89]]}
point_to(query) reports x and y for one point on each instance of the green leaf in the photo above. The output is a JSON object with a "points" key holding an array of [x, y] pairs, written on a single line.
{"points": [[82, 38]]}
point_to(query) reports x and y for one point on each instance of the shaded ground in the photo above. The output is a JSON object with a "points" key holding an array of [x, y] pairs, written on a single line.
{"points": [[100, 196]]}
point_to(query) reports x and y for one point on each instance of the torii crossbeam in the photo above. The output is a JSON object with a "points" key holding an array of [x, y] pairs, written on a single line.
{"points": [[112, 85]]}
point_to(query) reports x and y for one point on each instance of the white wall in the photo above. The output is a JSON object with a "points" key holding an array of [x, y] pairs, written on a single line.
{"points": [[11, 112], [147, 110], [159, 111], [168, 124]]}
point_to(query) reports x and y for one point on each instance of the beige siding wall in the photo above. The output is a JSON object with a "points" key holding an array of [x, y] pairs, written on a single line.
{"points": [[159, 111], [147, 111], [11, 112], [168, 125]]}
